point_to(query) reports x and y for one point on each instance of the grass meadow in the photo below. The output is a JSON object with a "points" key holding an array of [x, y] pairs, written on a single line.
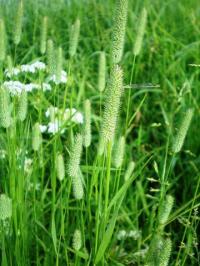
{"points": [[99, 132]]}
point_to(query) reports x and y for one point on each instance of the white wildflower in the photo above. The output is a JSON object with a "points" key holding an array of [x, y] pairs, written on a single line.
{"points": [[76, 117], [135, 234], [121, 235], [63, 78], [51, 111], [46, 87], [27, 68], [43, 128], [16, 87], [14, 72]]}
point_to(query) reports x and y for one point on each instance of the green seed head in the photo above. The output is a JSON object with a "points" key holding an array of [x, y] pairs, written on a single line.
{"points": [[74, 37], [182, 132], [102, 72], [50, 57], [43, 37], [2, 40], [77, 186], [77, 240], [140, 33], [166, 252], [118, 155], [59, 63], [18, 23], [119, 29], [5, 207], [165, 209], [36, 137], [60, 166], [5, 108], [22, 106], [75, 157], [87, 124], [129, 171], [112, 105]]}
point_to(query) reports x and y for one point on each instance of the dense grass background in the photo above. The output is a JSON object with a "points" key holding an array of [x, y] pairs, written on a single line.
{"points": [[44, 221]]}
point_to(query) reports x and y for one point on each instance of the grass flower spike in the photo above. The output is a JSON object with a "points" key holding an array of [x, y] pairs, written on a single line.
{"points": [[5, 108], [182, 132], [166, 209], [102, 72], [75, 157], [60, 166], [129, 171], [43, 36], [112, 105], [77, 186], [59, 64], [77, 240], [74, 37], [87, 124], [50, 57], [5, 207], [36, 137], [18, 23], [119, 152], [119, 29], [140, 32], [22, 106], [2, 41]]}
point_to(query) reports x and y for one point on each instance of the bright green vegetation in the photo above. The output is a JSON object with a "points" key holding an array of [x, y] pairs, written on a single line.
{"points": [[100, 186]]}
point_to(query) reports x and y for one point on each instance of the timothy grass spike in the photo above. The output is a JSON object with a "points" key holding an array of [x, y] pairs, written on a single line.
{"points": [[50, 57], [59, 64], [119, 152], [77, 240], [5, 108], [2, 41], [102, 72], [36, 137], [60, 166], [74, 37], [43, 36], [75, 156], [140, 32], [112, 105], [182, 132], [119, 29], [77, 186], [165, 209], [129, 171], [166, 252], [87, 124], [22, 106], [5, 207], [18, 23]]}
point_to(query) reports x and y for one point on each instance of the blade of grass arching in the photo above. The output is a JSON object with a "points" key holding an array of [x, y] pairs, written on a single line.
{"points": [[121, 193], [108, 233], [79, 253]]}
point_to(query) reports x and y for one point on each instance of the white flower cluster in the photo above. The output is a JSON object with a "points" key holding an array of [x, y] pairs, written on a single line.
{"points": [[28, 68], [16, 87], [59, 117], [122, 234], [63, 78]]}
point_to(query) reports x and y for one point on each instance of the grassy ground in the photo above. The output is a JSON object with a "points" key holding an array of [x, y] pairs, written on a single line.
{"points": [[120, 222]]}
